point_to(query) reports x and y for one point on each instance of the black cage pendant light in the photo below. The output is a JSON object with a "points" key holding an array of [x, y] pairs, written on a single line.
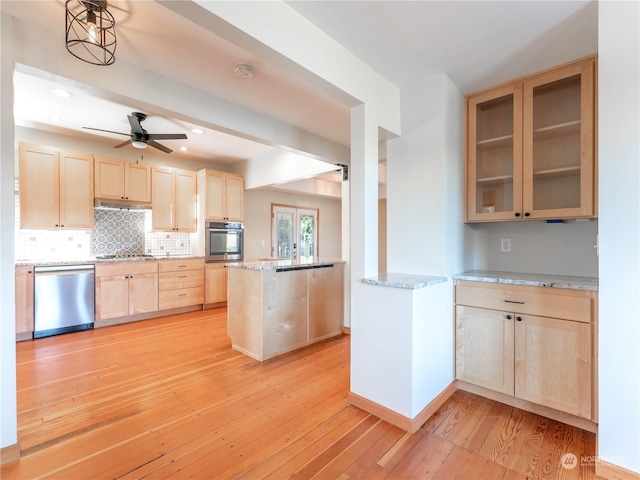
{"points": [[90, 31]]}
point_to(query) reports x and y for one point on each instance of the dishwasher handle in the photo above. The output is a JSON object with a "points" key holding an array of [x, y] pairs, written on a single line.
{"points": [[63, 269]]}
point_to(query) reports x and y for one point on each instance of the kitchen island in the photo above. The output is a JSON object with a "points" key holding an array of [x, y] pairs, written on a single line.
{"points": [[278, 306]]}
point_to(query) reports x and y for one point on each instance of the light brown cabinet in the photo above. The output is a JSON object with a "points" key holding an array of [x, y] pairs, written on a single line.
{"points": [[275, 311], [122, 181], [174, 195], [223, 195], [530, 147], [56, 188], [215, 283], [126, 288], [24, 303], [181, 283], [533, 343]]}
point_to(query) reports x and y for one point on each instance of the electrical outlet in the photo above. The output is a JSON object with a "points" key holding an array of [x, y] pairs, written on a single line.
{"points": [[505, 245]]}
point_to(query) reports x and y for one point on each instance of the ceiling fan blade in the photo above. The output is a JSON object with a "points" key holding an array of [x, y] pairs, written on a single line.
{"points": [[136, 127], [123, 144], [155, 144], [166, 136], [108, 131]]}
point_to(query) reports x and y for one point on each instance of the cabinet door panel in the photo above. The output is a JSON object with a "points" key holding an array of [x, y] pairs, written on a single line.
{"points": [[112, 297], [39, 187], [234, 195], [109, 178], [558, 145], [494, 154], [162, 216], [24, 299], [325, 317], [214, 195], [138, 183], [553, 364], [215, 284], [484, 348], [185, 201], [76, 190], [143, 293]]}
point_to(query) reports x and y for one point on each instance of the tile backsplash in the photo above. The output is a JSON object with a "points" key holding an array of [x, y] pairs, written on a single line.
{"points": [[115, 231]]}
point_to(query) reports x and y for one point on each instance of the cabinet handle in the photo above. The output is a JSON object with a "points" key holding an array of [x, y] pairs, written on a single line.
{"points": [[517, 214], [182, 276], [509, 317], [182, 295], [519, 318], [526, 214], [513, 301]]}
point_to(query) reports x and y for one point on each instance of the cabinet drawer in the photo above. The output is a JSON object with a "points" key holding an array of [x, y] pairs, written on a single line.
{"points": [[181, 265], [183, 297], [544, 302], [125, 268], [176, 280]]}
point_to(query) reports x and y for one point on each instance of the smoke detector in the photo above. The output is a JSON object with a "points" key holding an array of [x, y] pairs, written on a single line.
{"points": [[243, 71]]}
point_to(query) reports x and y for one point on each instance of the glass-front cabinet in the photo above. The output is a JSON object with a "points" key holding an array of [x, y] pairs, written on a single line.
{"points": [[530, 148]]}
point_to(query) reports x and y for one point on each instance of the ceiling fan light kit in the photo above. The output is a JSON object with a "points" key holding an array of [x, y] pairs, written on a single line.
{"points": [[90, 33], [140, 138]]}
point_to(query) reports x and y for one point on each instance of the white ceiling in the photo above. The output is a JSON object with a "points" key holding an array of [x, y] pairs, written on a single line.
{"points": [[476, 43]]}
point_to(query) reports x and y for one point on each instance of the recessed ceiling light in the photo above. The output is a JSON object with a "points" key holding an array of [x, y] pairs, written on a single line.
{"points": [[197, 131], [61, 93], [183, 149]]}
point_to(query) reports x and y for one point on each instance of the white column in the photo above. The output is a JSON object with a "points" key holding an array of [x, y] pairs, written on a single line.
{"points": [[8, 409], [346, 246], [363, 174], [619, 234]]}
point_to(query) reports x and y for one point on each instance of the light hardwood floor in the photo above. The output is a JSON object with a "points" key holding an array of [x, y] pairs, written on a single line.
{"points": [[169, 398]]}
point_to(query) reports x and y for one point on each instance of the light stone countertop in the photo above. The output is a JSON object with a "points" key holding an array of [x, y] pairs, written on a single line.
{"points": [[94, 260], [530, 279], [404, 280], [287, 264]]}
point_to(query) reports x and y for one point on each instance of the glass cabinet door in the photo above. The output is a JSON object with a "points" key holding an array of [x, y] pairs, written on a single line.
{"points": [[494, 171], [558, 149]]}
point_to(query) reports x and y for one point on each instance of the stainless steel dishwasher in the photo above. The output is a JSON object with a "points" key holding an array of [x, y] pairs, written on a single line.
{"points": [[64, 299]]}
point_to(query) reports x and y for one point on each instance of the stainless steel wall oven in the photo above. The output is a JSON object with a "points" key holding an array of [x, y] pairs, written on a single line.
{"points": [[224, 241]]}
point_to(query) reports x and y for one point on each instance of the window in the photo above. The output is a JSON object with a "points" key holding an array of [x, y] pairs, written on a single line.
{"points": [[294, 232]]}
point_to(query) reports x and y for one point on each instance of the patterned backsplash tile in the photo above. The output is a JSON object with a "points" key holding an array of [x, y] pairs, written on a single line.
{"points": [[115, 231]]}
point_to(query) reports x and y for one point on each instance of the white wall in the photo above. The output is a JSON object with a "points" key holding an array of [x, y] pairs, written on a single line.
{"points": [[257, 221], [536, 247], [425, 182], [619, 224]]}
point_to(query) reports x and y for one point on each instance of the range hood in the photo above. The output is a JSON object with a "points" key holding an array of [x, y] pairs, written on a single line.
{"points": [[120, 205]]}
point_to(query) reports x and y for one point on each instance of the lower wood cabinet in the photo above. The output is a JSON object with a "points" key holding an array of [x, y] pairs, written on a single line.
{"points": [[533, 343], [24, 303], [215, 283], [180, 283], [126, 288]]}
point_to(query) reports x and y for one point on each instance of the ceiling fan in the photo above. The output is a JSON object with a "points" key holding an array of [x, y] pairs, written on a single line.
{"points": [[140, 138]]}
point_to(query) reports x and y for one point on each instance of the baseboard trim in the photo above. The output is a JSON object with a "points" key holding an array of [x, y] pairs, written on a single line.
{"points": [[615, 472], [410, 425], [9, 454], [551, 413], [346, 330]]}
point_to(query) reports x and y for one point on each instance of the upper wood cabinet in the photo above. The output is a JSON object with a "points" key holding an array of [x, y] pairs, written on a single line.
{"points": [[121, 180], [530, 148], [223, 195], [56, 188], [173, 200]]}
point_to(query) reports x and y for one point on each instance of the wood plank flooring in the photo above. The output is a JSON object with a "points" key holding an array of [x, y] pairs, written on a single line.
{"points": [[169, 398]]}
